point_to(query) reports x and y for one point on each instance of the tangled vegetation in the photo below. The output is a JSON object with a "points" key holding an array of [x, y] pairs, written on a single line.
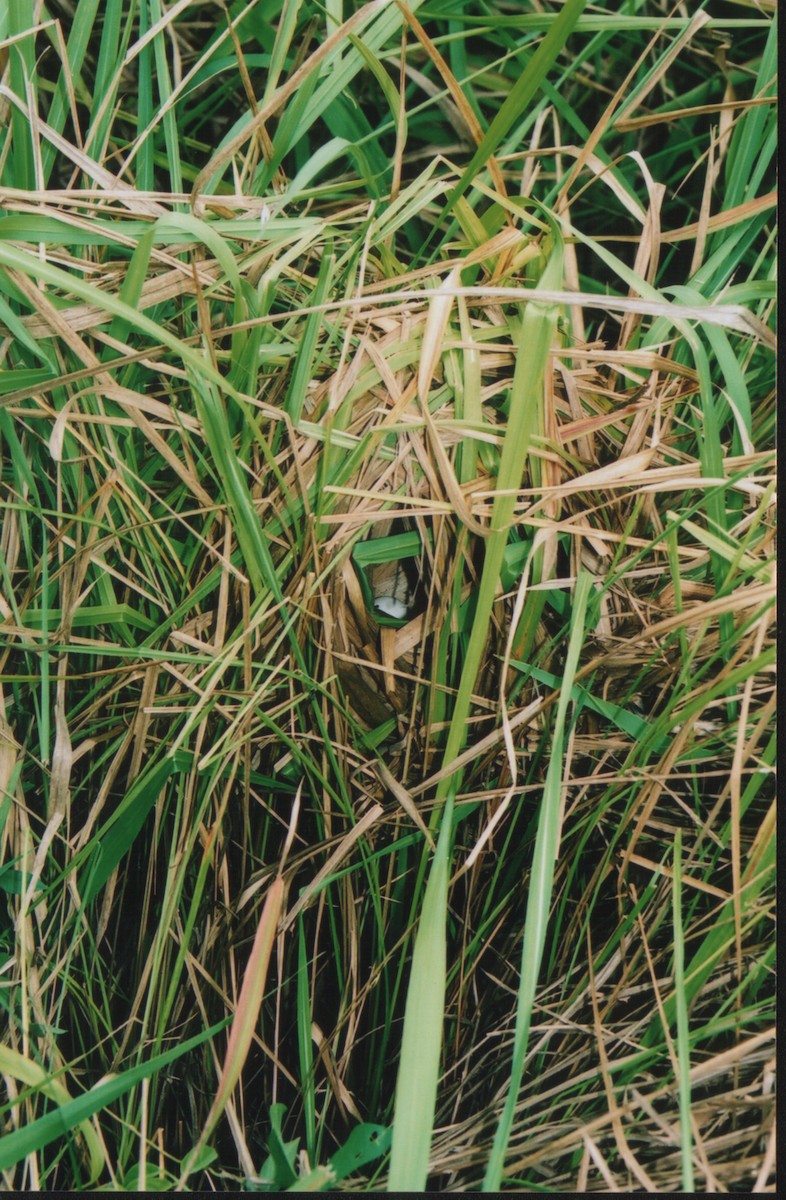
{"points": [[387, 604]]}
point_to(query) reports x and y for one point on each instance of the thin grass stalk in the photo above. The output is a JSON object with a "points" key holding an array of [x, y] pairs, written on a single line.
{"points": [[526, 403], [29, 1139], [683, 1042], [331, 67], [164, 91], [144, 113], [305, 1044], [758, 874], [79, 35]]}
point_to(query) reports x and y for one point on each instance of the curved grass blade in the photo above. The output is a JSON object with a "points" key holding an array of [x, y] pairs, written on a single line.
{"points": [[33, 1075]]}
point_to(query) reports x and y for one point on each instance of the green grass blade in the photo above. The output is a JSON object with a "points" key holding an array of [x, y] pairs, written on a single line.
{"points": [[113, 842], [539, 897], [22, 73], [416, 1087], [418, 1073], [32, 1138], [304, 1042], [33, 1075], [164, 85], [145, 158], [79, 36], [522, 93], [526, 402]]}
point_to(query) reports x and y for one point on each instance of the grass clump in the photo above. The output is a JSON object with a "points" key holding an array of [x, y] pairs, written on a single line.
{"points": [[387, 599]]}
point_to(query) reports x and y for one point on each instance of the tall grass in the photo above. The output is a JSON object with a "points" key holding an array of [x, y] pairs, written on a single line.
{"points": [[302, 892]]}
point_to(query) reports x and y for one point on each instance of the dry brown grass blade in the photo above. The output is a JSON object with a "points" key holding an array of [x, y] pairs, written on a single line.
{"points": [[55, 321], [689, 880], [593, 1154], [168, 285], [768, 1163], [440, 304], [723, 220], [645, 264], [735, 789], [704, 212], [339, 854], [608, 118], [718, 1068], [692, 614], [404, 798], [627, 124], [82, 161]]}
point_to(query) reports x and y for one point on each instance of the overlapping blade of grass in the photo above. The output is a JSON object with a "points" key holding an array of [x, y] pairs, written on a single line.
{"points": [[63, 102], [20, 163], [524, 421], [32, 1075], [15, 259], [376, 22], [246, 1015]]}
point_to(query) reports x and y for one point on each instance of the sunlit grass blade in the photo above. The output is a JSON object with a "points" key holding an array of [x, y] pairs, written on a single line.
{"points": [[423, 1019], [525, 417]]}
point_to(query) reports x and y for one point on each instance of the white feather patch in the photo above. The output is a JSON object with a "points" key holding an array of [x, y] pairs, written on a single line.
{"points": [[391, 607]]}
